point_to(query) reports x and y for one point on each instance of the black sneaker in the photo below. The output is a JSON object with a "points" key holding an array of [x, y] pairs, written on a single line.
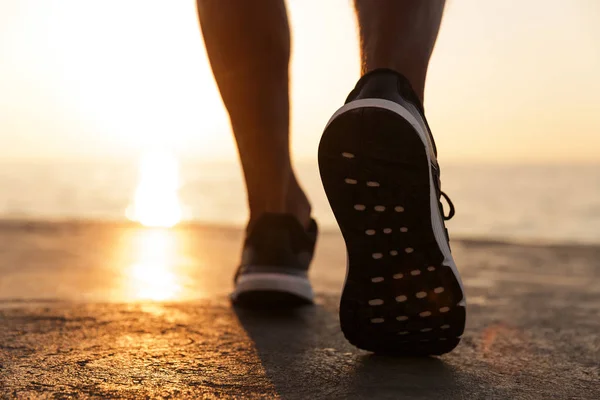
{"points": [[377, 159], [275, 259]]}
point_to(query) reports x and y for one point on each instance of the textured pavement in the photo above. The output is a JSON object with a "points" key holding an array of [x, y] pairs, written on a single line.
{"points": [[115, 311]]}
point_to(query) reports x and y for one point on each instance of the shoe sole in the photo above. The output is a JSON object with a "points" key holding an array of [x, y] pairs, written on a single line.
{"points": [[272, 291], [402, 293]]}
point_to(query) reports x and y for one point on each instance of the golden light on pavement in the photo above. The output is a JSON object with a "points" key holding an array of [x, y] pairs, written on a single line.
{"points": [[156, 202], [153, 275]]}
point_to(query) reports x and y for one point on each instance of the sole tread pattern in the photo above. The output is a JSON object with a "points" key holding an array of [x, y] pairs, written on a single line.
{"points": [[389, 236]]}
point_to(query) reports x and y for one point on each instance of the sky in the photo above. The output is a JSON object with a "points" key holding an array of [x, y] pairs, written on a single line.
{"points": [[510, 81]]}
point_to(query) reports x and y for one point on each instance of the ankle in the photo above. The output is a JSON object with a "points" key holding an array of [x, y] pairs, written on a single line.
{"points": [[302, 212], [415, 78], [292, 202], [298, 205]]}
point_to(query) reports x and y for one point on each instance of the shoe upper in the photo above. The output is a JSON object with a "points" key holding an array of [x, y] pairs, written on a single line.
{"points": [[390, 85], [278, 243]]}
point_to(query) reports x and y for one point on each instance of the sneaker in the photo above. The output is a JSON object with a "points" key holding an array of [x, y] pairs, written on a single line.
{"points": [[378, 164], [274, 269]]}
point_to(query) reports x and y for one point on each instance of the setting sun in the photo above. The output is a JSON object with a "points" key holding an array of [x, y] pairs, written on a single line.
{"points": [[156, 202]]}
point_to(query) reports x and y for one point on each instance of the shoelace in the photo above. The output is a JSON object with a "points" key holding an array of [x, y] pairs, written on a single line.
{"points": [[451, 213]]}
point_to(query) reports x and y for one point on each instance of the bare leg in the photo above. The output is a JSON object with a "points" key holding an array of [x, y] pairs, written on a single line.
{"points": [[399, 35], [248, 44]]}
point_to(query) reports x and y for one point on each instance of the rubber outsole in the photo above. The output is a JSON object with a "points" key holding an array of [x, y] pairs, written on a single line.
{"points": [[272, 291], [400, 296], [270, 300]]}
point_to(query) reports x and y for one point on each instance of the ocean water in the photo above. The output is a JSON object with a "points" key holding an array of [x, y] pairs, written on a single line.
{"points": [[541, 203]]}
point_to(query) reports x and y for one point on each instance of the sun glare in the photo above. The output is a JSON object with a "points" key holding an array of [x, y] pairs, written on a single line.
{"points": [[156, 202]]}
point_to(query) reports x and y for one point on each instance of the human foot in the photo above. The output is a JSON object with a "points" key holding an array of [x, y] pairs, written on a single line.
{"points": [[276, 256]]}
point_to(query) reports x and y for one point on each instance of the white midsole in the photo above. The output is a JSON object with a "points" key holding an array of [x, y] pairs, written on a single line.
{"points": [[297, 285], [436, 218]]}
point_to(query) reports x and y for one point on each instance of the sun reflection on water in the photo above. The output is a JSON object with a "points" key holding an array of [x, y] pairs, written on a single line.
{"points": [[156, 202]]}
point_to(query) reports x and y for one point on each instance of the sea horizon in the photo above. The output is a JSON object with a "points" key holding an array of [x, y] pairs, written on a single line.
{"points": [[539, 203]]}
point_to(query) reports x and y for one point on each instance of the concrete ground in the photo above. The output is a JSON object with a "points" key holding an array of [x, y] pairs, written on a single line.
{"points": [[114, 311]]}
